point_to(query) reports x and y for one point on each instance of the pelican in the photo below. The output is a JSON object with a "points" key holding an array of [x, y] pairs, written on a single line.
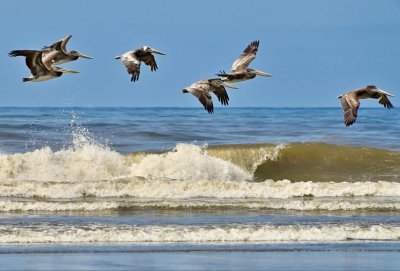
{"points": [[202, 90], [62, 55], [133, 59], [240, 71], [41, 70], [350, 101]]}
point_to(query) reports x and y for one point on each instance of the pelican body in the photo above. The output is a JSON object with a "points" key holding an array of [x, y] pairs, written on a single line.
{"points": [[41, 71], [134, 58], [350, 101], [240, 68], [59, 53], [202, 90]]}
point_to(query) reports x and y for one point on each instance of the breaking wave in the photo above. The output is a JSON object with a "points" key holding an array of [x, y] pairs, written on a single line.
{"points": [[89, 176]]}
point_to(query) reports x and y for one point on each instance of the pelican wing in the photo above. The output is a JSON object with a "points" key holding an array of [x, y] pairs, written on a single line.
{"points": [[350, 104], [204, 98], [149, 60], [244, 60], [222, 95], [385, 102], [60, 45], [33, 60], [215, 85], [132, 65], [49, 58]]}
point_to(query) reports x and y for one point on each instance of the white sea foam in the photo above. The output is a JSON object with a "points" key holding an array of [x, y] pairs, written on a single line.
{"points": [[87, 161], [177, 177], [234, 233], [174, 189], [188, 162], [330, 204]]}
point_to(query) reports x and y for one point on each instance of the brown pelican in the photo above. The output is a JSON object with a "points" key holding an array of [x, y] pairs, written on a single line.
{"points": [[41, 70], [350, 101], [62, 55], [132, 60], [240, 70], [202, 90]]}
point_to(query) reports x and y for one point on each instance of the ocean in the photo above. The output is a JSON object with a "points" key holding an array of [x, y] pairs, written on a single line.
{"points": [[179, 189]]}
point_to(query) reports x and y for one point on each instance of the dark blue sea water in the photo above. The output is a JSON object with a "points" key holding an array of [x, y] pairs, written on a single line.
{"points": [[254, 183], [138, 129]]}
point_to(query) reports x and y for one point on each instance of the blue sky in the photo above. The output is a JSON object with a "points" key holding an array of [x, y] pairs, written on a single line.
{"points": [[314, 49]]}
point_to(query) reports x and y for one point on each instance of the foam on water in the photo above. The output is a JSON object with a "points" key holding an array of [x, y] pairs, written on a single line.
{"points": [[228, 233], [188, 162], [89, 162], [178, 177], [83, 205], [173, 189]]}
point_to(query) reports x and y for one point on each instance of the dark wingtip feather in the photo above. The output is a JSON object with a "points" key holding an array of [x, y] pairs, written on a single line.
{"points": [[222, 74], [14, 53]]}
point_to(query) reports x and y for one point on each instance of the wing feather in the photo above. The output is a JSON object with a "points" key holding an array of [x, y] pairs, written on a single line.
{"points": [[385, 102], [149, 60], [132, 65], [203, 96], [33, 60], [222, 95], [350, 105], [60, 45], [248, 55]]}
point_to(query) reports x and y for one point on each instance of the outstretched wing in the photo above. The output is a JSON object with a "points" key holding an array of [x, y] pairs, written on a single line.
{"points": [[200, 90], [222, 95], [350, 104], [149, 60], [215, 86], [60, 45], [33, 60], [132, 65], [385, 102], [248, 55]]}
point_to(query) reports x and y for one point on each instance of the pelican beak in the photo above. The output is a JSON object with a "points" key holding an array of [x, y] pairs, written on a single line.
{"points": [[386, 93], [262, 73], [84, 56], [229, 85], [67, 71], [157, 52]]}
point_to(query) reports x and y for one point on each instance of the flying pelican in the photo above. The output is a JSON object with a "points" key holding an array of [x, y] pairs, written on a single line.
{"points": [[62, 55], [133, 59], [41, 71], [202, 90], [350, 101], [240, 71]]}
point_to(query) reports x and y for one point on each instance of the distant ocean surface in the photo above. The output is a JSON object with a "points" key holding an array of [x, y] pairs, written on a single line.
{"points": [[178, 179]]}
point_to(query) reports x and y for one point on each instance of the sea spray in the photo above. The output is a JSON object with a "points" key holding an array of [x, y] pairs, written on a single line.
{"points": [[88, 161], [188, 162]]}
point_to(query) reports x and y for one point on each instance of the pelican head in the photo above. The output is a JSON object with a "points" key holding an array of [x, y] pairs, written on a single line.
{"points": [[77, 54], [152, 50], [257, 72], [375, 88]]}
